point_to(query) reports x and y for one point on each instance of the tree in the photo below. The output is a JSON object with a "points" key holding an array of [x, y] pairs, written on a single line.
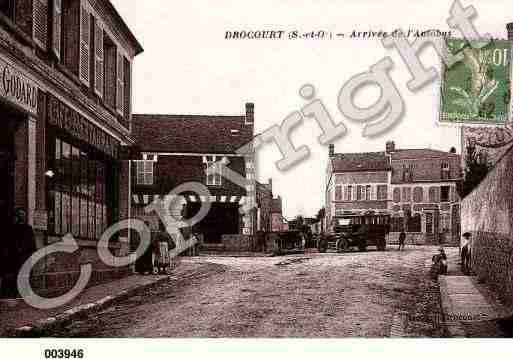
{"points": [[477, 167]]}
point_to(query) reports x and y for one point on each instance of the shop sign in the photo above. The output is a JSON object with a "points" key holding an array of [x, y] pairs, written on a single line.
{"points": [[62, 116], [17, 88]]}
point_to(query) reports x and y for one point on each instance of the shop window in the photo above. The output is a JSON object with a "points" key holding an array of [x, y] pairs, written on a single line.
{"points": [[145, 173], [80, 204]]}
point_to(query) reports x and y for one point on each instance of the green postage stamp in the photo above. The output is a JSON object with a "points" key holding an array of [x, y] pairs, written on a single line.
{"points": [[476, 89]]}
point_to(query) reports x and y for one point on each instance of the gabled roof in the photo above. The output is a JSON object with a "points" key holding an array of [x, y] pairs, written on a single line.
{"points": [[420, 153], [191, 133], [357, 162]]}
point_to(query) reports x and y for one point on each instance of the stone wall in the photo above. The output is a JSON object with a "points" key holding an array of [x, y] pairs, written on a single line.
{"points": [[487, 213], [238, 243]]}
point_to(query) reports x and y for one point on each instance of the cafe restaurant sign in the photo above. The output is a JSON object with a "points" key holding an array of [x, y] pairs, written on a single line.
{"points": [[17, 88], [64, 117]]}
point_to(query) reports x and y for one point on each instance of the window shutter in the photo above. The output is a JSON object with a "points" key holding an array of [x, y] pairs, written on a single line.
{"points": [[40, 23], [120, 98], [57, 27], [85, 42], [98, 59], [127, 80]]}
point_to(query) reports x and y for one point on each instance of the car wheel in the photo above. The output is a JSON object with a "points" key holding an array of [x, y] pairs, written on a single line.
{"points": [[342, 245]]}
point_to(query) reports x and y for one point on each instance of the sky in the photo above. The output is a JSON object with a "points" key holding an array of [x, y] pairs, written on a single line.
{"points": [[188, 67]]}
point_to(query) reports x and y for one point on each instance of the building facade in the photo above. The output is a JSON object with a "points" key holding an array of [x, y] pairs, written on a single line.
{"points": [[174, 150], [357, 183], [264, 197], [66, 70], [416, 187], [278, 222]]}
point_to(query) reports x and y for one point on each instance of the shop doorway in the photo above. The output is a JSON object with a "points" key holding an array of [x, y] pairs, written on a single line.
{"points": [[7, 203], [7, 159]]}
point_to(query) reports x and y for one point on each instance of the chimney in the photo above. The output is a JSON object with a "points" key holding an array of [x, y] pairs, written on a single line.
{"points": [[271, 185], [332, 150], [250, 113], [509, 27], [390, 147]]}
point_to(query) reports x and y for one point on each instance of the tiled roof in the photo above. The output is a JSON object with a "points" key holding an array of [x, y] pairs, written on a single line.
{"points": [[191, 133], [420, 153], [356, 162]]}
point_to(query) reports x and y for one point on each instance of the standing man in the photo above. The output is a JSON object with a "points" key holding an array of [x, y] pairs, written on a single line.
{"points": [[465, 252], [402, 239]]}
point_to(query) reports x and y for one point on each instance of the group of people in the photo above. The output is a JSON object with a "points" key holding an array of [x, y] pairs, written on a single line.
{"points": [[156, 258]]}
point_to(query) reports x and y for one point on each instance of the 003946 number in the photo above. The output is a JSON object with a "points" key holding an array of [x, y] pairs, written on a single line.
{"points": [[64, 353]]}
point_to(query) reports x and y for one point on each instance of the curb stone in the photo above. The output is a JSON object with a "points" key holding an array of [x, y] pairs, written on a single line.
{"points": [[45, 326], [454, 329]]}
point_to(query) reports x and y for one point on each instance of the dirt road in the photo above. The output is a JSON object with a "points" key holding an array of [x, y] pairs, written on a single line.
{"points": [[373, 294]]}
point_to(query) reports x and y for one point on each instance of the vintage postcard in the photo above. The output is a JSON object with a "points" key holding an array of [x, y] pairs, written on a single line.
{"points": [[202, 172]]}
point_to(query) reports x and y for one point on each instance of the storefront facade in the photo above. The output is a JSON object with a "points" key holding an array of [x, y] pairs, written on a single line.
{"points": [[65, 101]]}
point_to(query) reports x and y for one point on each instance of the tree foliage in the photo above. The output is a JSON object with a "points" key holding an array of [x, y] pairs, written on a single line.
{"points": [[477, 166]]}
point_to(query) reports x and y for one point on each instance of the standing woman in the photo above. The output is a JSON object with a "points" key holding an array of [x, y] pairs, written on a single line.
{"points": [[163, 260], [144, 264]]}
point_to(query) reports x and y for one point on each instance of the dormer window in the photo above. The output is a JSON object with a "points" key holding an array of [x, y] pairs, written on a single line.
{"points": [[214, 176], [446, 171]]}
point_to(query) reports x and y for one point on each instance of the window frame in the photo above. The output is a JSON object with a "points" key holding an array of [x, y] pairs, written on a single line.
{"points": [[368, 193], [448, 194], [213, 178], [147, 175]]}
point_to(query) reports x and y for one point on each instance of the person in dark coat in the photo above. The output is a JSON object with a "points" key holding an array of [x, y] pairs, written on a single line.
{"points": [[144, 264], [20, 246], [402, 239], [465, 252]]}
